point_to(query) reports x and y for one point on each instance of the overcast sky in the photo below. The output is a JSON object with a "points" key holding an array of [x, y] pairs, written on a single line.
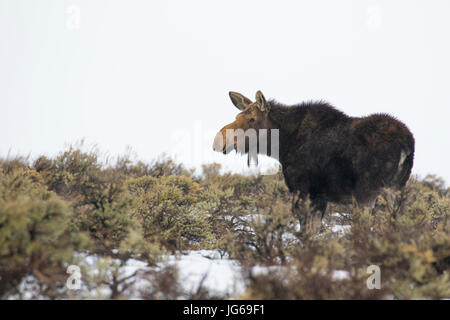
{"points": [[155, 75]]}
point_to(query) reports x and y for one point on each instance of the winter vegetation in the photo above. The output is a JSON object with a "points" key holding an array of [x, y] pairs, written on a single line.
{"points": [[159, 230]]}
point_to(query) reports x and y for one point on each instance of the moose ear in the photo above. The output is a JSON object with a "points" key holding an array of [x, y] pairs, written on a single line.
{"points": [[262, 103], [241, 102]]}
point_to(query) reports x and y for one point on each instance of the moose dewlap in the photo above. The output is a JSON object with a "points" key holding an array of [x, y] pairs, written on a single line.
{"points": [[326, 154]]}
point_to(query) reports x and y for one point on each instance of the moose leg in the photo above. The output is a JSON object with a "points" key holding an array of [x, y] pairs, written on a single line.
{"points": [[302, 210], [298, 209], [309, 213], [318, 208]]}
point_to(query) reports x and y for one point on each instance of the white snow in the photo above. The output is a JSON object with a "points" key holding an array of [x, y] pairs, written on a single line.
{"points": [[222, 276]]}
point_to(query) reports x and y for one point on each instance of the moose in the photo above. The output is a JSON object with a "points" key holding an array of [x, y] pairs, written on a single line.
{"points": [[326, 155]]}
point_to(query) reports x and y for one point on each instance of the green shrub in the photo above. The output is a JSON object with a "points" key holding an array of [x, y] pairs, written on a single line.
{"points": [[97, 194], [35, 234], [169, 211], [57, 208], [406, 234]]}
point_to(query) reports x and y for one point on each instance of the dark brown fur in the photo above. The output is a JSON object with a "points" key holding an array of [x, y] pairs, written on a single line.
{"points": [[330, 156], [334, 157]]}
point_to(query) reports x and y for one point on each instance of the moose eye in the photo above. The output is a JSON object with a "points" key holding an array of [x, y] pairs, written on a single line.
{"points": [[251, 120]]}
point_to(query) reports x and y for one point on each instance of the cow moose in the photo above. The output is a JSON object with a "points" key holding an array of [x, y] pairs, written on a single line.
{"points": [[326, 155]]}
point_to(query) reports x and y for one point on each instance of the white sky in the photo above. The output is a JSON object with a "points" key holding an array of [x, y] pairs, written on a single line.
{"points": [[155, 75]]}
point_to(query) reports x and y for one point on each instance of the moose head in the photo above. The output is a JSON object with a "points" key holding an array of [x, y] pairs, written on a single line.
{"points": [[250, 131]]}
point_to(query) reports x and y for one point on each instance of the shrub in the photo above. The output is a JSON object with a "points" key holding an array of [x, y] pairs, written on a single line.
{"points": [[406, 234], [101, 205], [36, 241], [169, 211], [57, 209]]}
